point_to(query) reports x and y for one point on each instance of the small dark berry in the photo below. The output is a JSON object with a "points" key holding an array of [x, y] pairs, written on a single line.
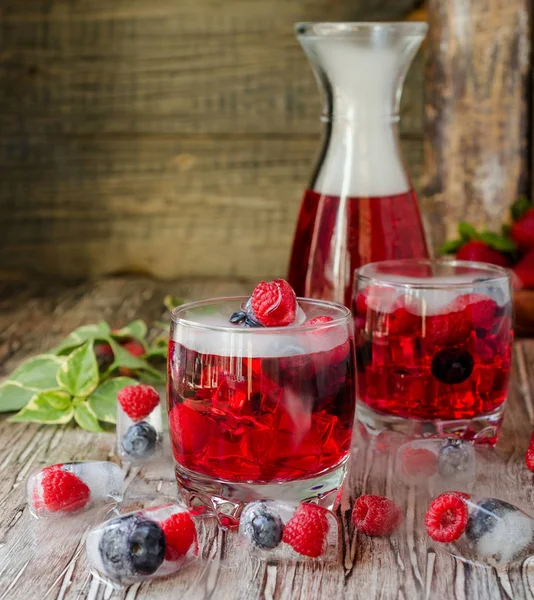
{"points": [[485, 517], [364, 355], [452, 365], [262, 527], [131, 545], [140, 440]]}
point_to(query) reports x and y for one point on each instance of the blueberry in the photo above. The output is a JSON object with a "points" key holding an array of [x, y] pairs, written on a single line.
{"points": [[452, 365], [243, 318], [485, 517], [131, 545], [262, 527], [140, 440], [454, 458]]}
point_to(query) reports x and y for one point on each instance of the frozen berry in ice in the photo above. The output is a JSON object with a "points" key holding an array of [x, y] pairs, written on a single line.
{"points": [[261, 527], [452, 365], [446, 517], [418, 462], [485, 516], [180, 534], [454, 458], [480, 308], [306, 532], [62, 491], [131, 545], [138, 401], [140, 440], [376, 515], [274, 304]]}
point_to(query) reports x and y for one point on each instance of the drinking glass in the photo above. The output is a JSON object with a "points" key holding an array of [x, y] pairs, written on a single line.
{"points": [[259, 412], [433, 347]]}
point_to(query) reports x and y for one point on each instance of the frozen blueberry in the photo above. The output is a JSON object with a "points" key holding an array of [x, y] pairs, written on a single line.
{"points": [[243, 318], [452, 365], [131, 545], [454, 458], [485, 517], [140, 440], [261, 527]]}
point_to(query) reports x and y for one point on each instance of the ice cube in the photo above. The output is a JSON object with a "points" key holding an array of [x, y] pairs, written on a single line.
{"points": [[142, 440], [495, 534], [439, 463], [141, 545], [274, 530], [78, 487]]}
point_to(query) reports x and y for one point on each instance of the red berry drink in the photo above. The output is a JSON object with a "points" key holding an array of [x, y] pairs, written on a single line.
{"points": [[260, 411], [370, 229], [433, 347]]}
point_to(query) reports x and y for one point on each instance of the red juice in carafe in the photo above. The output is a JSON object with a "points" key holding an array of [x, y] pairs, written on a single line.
{"points": [[336, 235]]}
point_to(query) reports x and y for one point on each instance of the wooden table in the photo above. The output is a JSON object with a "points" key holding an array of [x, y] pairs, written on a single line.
{"points": [[49, 562]]}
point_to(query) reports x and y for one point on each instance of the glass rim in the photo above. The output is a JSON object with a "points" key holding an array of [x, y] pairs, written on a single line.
{"points": [[340, 29], [345, 316], [499, 274]]}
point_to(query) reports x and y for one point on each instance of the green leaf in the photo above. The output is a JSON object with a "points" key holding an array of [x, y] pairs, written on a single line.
{"points": [[124, 359], [103, 401], [152, 378], [467, 231], [520, 207], [85, 417], [451, 247], [58, 399], [38, 373], [158, 349], [79, 373], [13, 396], [506, 230], [171, 302], [136, 329], [39, 410], [498, 242], [79, 336]]}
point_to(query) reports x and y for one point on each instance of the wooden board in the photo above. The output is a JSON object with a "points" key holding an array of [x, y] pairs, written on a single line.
{"points": [[477, 95], [50, 563], [162, 136]]}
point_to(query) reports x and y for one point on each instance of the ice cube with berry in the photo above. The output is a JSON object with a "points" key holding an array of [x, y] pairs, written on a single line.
{"points": [[141, 545], [139, 423], [73, 487], [437, 462], [376, 516], [481, 530], [275, 530]]}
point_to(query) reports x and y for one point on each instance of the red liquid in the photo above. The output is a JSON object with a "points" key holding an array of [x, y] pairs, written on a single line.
{"points": [[407, 364], [261, 419], [337, 235]]}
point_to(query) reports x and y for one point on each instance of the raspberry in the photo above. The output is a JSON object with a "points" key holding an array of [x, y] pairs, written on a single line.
{"points": [[63, 491], [318, 320], [138, 401], [376, 515], [306, 531], [274, 303], [480, 307], [180, 534], [360, 305], [401, 321], [448, 329], [418, 462], [446, 517], [340, 352], [529, 456]]}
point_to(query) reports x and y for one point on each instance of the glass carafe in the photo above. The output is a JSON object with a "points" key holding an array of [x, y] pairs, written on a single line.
{"points": [[360, 206]]}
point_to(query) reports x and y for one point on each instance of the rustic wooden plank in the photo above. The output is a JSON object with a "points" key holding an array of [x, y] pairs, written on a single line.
{"points": [[199, 68], [400, 567], [161, 205], [476, 112]]}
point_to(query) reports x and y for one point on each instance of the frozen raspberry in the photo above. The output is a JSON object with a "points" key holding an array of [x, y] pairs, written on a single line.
{"points": [[138, 401], [446, 517], [338, 353], [307, 530], [135, 349], [419, 462], [376, 515], [319, 320], [479, 307], [448, 329], [180, 534], [400, 321], [529, 456], [360, 305], [62, 491], [274, 304]]}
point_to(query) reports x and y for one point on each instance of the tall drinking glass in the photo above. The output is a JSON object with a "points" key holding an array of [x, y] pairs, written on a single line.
{"points": [[259, 412], [433, 347]]}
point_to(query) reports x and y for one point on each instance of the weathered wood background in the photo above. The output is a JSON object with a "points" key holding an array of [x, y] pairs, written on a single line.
{"points": [[167, 137]]}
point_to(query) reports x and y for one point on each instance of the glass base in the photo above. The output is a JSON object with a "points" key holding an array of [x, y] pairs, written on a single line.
{"points": [[226, 499], [483, 429]]}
